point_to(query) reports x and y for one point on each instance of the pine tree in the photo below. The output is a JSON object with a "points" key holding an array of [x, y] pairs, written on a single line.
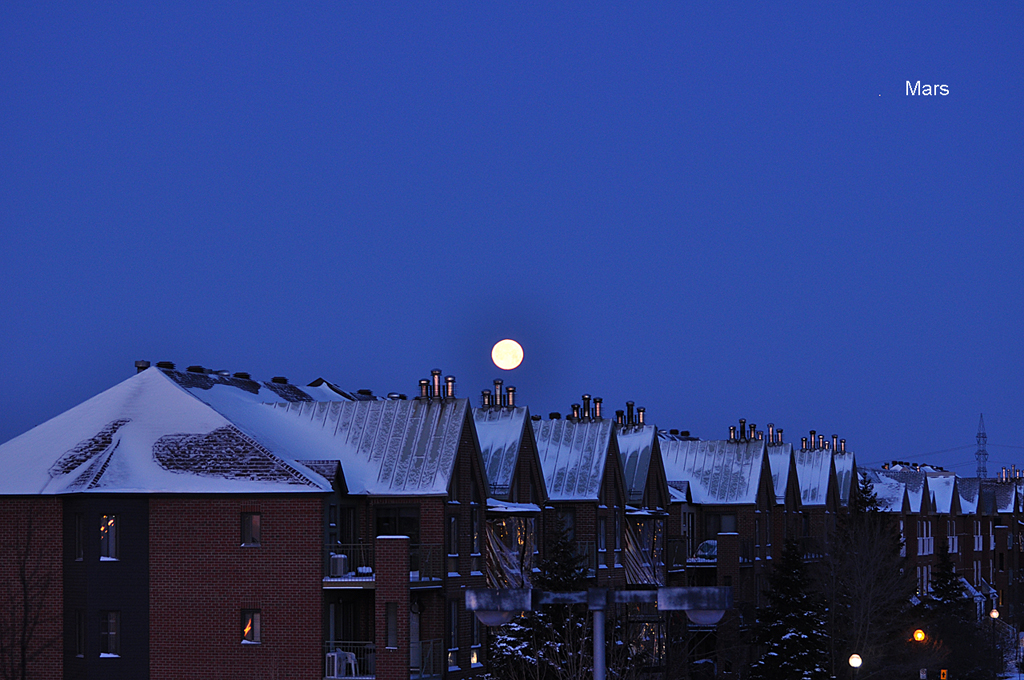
{"points": [[792, 626]]}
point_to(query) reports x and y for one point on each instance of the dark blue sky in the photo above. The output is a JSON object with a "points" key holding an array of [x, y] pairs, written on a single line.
{"points": [[716, 211]]}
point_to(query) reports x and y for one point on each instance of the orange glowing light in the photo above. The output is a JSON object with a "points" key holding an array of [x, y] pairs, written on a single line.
{"points": [[248, 629], [919, 635]]}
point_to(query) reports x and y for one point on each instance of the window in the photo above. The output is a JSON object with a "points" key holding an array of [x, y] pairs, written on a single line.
{"points": [[250, 626], [250, 528], [474, 650], [79, 536], [602, 528], [475, 539], [567, 523], [110, 634], [392, 624], [399, 521], [453, 635], [79, 633], [108, 537], [618, 537], [453, 544], [718, 523]]}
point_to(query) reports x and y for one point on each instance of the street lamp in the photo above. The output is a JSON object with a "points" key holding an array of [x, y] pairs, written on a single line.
{"points": [[855, 662], [994, 614], [919, 635]]}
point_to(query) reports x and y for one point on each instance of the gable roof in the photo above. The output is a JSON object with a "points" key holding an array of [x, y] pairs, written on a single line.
{"points": [[719, 472], [813, 472], [636, 448], [573, 455], [890, 492], [942, 486], [780, 460], [846, 465], [500, 432], [147, 435], [968, 488], [388, 447]]}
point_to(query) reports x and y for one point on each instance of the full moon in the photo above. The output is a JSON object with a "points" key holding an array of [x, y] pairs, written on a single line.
{"points": [[507, 354]]}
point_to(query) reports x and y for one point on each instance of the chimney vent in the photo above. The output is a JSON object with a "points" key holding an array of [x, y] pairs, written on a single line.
{"points": [[835, 442], [575, 412], [510, 396], [449, 385], [684, 433], [842, 446], [435, 383], [597, 407], [535, 417], [732, 433], [629, 413], [620, 418], [803, 443], [753, 429], [242, 375], [498, 382], [743, 429], [394, 396], [673, 431], [760, 435], [779, 433], [554, 415], [166, 365], [821, 441], [365, 392], [196, 369], [485, 398], [279, 379], [771, 433], [424, 388], [586, 406], [141, 366], [640, 415]]}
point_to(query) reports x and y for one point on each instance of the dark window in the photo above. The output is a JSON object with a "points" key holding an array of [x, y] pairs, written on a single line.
{"points": [[108, 537], [250, 626], [453, 544], [79, 536], [250, 528], [567, 522], [79, 632], [399, 521], [1001, 563], [453, 634], [718, 523], [392, 622], [602, 529], [110, 634]]}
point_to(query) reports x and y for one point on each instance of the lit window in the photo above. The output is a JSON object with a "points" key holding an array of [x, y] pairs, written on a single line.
{"points": [[250, 528], [250, 626], [108, 537], [110, 634], [453, 635]]}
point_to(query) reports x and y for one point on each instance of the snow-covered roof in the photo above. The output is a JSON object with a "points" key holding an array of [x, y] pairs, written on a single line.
{"points": [[679, 492], [500, 432], [1004, 496], [495, 505], [572, 455], [779, 458], [387, 447], [813, 473], [636, 446], [148, 435], [890, 491], [942, 485], [719, 472], [968, 488], [846, 464]]}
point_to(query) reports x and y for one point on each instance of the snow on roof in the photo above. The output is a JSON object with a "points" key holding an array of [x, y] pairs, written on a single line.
{"points": [[719, 472], [572, 455], [813, 468], [212, 387], [145, 435], [495, 505], [500, 432], [679, 492], [388, 447], [1005, 495], [845, 479], [779, 456], [636, 446], [942, 486], [968, 488], [890, 491]]}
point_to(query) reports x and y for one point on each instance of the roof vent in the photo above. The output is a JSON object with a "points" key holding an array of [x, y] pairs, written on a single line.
{"points": [[821, 441], [620, 418], [394, 396], [684, 433], [141, 366], [279, 379], [640, 415], [365, 392], [835, 442], [435, 383], [166, 365], [555, 415], [449, 387], [842, 446], [424, 388], [196, 369], [575, 412], [771, 433], [732, 433], [498, 382], [753, 429], [597, 407], [510, 396], [586, 406], [629, 413], [536, 417], [242, 375], [673, 431], [812, 439], [803, 443], [485, 398], [742, 430], [779, 437]]}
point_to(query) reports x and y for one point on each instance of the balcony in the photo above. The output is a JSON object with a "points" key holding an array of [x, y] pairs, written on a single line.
{"points": [[676, 553], [357, 660], [352, 566], [587, 552]]}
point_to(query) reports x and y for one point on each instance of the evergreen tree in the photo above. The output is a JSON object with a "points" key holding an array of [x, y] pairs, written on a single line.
{"points": [[792, 626]]}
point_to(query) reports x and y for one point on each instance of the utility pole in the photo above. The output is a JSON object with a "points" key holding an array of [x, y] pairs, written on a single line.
{"points": [[982, 453]]}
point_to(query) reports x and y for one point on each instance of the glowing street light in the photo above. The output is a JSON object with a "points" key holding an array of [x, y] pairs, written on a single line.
{"points": [[855, 662], [919, 635]]}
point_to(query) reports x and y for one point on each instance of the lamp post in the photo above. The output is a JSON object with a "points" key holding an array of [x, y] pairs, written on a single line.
{"points": [[994, 614], [855, 662]]}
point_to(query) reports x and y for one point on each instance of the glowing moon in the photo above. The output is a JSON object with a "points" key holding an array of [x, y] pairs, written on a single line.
{"points": [[507, 354]]}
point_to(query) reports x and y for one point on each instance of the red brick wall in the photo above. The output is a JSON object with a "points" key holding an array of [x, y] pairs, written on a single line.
{"points": [[391, 557], [31, 533], [201, 578]]}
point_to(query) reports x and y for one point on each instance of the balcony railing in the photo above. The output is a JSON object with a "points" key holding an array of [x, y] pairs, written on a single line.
{"points": [[811, 548], [676, 554], [348, 659], [354, 562], [925, 545]]}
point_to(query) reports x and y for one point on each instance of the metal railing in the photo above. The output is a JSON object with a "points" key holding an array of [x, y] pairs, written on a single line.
{"points": [[349, 659], [811, 548], [349, 561], [676, 553], [425, 659], [426, 563]]}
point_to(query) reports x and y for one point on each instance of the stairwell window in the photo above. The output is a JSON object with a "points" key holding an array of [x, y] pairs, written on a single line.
{"points": [[108, 537], [250, 529], [250, 626], [110, 634], [453, 635], [453, 545]]}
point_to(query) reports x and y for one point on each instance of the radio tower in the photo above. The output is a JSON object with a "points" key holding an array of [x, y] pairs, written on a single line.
{"points": [[982, 454]]}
